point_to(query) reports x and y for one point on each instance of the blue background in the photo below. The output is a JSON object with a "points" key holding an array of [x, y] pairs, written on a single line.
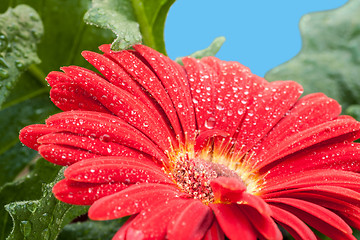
{"points": [[260, 34]]}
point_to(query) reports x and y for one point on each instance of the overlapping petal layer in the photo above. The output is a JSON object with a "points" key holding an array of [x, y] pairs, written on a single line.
{"points": [[200, 151]]}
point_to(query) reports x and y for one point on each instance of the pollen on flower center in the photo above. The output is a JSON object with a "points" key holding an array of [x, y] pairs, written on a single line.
{"points": [[193, 176]]}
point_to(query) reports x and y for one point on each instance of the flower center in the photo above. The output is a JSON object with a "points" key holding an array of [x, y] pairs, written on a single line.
{"points": [[193, 176]]}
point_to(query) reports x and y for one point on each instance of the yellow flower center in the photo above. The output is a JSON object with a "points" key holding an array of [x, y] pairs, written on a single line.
{"points": [[193, 171]]}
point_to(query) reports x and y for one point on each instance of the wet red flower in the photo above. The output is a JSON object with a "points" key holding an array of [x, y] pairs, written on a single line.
{"points": [[200, 151]]}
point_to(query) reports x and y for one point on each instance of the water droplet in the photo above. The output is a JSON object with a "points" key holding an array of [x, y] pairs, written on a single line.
{"points": [[3, 42], [19, 65], [4, 74], [210, 123], [45, 235], [25, 228], [31, 207], [220, 106], [3, 63]]}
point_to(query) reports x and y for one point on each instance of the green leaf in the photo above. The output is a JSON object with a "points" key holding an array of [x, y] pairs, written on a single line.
{"points": [[91, 230], [132, 21], [329, 60], [211, 50], [20, 31], [43, 218], [26, 188], [117, 16], [65, 36]]}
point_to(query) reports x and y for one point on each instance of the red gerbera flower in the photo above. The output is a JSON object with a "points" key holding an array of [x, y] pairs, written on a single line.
{"points": [[199, 152]]}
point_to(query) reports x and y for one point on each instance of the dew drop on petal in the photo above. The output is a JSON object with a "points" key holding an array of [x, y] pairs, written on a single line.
{"points": [[210, 123]]}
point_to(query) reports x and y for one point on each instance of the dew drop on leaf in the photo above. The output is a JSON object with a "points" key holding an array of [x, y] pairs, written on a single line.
{"points": [[4, 74], [31, 207], [25, 228], [3, 42], [45, 234]]}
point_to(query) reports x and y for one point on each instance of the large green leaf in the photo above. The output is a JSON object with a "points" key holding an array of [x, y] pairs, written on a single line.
{"points": [[329, 60], [20, 31], [65, 36], [43, 218], [26, 188], [131, 21]]}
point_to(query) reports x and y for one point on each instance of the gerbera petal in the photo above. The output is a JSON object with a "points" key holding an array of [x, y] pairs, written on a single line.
{"points": [[234, 90], [297, 228], [315, 216], [106, 127], [30, 134], [337, 130], [176, 85], [314, 178], [203, 93], [102, 170], [122, 104], [215, 232], [68, 96], [265, 111], [309, 111], [263, 223], [340, 156], [64, 155], [181, 226], [233, 222], [147, 79], [80, 193], [93, 145], [347, 211], [132, 200], [347, 195], [121, 234], [227, 189], [152, 223]]}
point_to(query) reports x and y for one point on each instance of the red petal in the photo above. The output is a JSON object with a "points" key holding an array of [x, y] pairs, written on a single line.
{"points": [[121, 234], [232, 221], [309, 111], [55, 77], [146, 78], [234, 87], [182, 226], [30, 134], [115, 169], [313, 178], [267, 108], [348, 212], [201, 78], [64, 155], [84, 193], [152, 223], [214, 233], [263, 223], [297, 228], [315, 216], [68, 96], [337, 130], [340, 156], [106, 127], [255, 202], [131, 200], [336, 192], [93, 145], [122, 104], [227, 189], [176, 85]]}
